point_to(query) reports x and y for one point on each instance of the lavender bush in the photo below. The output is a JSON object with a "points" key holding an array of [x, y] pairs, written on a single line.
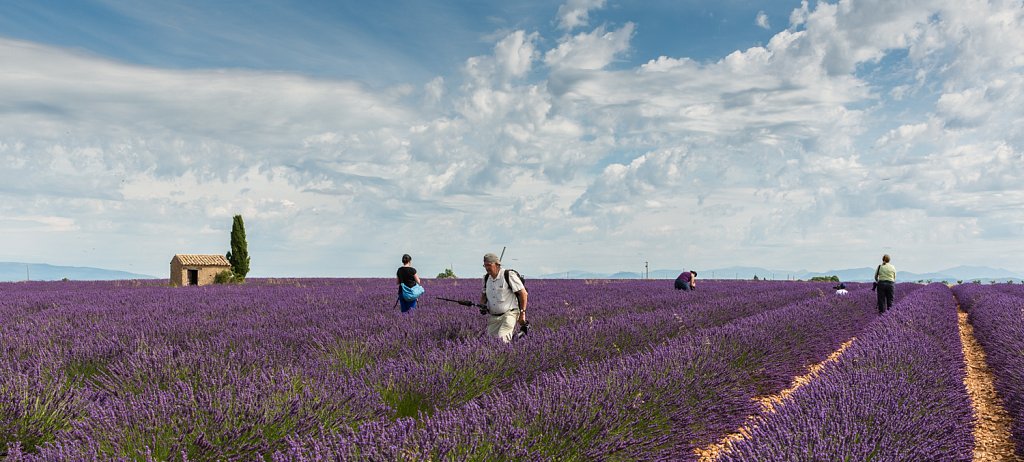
{"points": [[139, 371], [440, 378], [997, 316], [896, 394], [657, 404]]}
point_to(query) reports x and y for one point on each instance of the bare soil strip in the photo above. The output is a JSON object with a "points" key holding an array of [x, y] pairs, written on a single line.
{"points": [[992, 429], [768, 404]]}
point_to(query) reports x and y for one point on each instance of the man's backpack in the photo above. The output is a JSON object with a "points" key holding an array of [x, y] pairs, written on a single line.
{"points": [[508, 281]]}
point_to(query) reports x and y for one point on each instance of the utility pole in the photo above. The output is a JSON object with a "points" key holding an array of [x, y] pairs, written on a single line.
{"points": [[647, 271]]}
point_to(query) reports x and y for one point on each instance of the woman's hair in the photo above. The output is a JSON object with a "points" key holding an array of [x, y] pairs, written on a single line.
{"points": [[885, 258], [406, 259]]}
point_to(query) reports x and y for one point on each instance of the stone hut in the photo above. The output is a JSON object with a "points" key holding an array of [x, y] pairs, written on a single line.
{"points": [[196, 270]]}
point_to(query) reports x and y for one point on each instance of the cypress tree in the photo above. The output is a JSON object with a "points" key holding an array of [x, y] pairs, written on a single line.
{"points": [[238, 256]]}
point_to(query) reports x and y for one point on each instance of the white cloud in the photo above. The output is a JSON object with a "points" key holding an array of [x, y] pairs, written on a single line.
{"points": [[37, 223], [903, 134], [796, 94], [434, 90], [515, 54], [762, 21], [81, 95], [576, 13], [652, 174], [964, 109], [590, 51]]}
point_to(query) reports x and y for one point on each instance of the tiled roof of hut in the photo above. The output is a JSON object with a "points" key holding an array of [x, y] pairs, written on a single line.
{"points": [[204, 260]]}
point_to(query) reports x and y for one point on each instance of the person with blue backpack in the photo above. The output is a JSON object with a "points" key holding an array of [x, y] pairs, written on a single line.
{"points": [[409, 288], [503, 298]]}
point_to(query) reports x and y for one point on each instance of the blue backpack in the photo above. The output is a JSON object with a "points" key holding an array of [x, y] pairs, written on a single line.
{"points": [[411, 293]]}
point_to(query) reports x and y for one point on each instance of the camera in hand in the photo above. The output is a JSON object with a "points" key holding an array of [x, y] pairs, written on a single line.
{"points": [[524, 328]]}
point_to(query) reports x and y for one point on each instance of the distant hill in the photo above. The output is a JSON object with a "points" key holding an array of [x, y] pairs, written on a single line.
{"points": [[15, 271], [865, 274]]}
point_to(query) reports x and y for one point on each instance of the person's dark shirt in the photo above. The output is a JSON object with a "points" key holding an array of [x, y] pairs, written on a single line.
{"points": [[406, 275]]}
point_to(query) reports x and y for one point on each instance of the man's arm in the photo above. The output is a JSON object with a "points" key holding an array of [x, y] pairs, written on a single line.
{"points": [[522, 295]]}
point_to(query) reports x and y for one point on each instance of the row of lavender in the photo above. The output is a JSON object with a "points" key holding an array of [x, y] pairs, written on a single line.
{"points": [[662, 403], [425, 381], [997, 314], [358, 310], [90, 368], [350, 327], [896, 394]]}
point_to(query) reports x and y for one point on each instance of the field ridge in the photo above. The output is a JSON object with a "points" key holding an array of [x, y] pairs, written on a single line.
{"points": [[768, 403], [992, 422]]}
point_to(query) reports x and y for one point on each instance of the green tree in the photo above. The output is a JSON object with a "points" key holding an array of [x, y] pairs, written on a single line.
{"points": [[447, 274], [225, 277], [238, 256]]}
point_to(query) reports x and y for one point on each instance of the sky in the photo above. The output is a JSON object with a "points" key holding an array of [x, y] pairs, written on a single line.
{"points": [[595, 135]]}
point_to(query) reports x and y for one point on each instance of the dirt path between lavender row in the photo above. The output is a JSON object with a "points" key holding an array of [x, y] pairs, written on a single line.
{"points": [[992, 430], [768, 403]]}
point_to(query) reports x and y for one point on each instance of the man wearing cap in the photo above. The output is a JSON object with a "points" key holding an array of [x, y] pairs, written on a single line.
{"points": [[504, 297]]}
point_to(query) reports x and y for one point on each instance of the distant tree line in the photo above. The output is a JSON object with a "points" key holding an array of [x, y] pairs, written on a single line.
{"points": [[832, 278]]}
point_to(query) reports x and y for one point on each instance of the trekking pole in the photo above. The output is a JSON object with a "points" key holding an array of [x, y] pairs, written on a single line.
{"points": [[483, 308], [462, 302]]}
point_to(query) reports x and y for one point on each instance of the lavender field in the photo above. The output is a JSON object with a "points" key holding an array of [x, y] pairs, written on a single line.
{"points": [[997, 314], [327, 369]]}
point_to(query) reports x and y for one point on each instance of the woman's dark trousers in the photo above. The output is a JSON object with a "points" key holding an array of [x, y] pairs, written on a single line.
{"points": [[886, 291]]}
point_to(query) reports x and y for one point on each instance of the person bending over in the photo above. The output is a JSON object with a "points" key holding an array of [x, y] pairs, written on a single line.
{"points": [[687, 280]]}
